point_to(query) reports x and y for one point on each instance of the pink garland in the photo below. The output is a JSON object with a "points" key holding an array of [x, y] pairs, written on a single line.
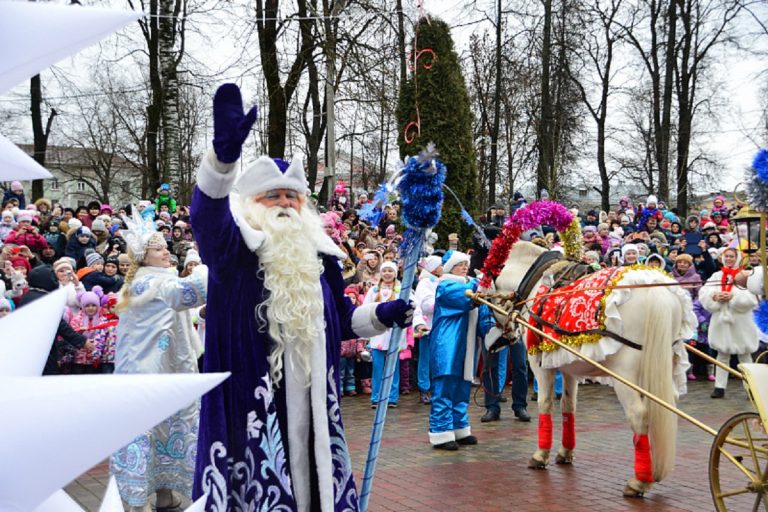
{"points": [[532, 216]]}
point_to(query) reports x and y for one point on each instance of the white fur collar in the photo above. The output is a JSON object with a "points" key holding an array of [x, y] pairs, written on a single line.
{"points": [[254, 239]]}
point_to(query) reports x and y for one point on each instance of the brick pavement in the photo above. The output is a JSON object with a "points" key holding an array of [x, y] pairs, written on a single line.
{"points": [[492, 476]]}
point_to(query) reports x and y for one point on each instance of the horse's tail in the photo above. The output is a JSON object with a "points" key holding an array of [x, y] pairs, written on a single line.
{"points": [[662, 320]]}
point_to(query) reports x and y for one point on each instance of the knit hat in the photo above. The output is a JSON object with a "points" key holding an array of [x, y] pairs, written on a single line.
{"points": [[267, 174], [24, 215], [7, 214], [456, 258], [628, 247], [93, 258], [91, 298], [192, 256], [708, 225], [589, 229], [114, 260], [20, 261], [603, 225], [98, 225], [390, 229], [390, 265], [64, 262], [652, 201], [684, 257], [431, 263], [123, 258], [74, 223], [84, 231], [16, 186]]}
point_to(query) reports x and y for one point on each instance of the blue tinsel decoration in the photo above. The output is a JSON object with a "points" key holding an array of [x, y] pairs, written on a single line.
{"points": [[757, 191], [760, 164], [761, 316], [421, 191]]}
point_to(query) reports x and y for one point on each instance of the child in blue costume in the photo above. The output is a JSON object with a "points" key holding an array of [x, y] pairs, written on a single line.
{"points": [[456, 326]]}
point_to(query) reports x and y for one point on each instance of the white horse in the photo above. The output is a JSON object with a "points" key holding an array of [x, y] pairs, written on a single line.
{"points": [[655, 318]]}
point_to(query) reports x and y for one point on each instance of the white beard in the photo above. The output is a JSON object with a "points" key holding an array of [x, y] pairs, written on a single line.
{"points": [[291, 269]]}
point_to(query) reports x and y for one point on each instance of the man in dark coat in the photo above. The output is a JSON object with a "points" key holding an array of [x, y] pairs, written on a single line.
{"points": [[42, 281], [271, 436]]}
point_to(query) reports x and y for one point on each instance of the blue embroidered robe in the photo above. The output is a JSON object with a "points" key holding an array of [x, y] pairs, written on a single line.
{"points": [[243, 450]]}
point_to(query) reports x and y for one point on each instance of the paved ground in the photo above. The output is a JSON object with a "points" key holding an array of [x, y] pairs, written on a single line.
{"points": [[493, 476]]}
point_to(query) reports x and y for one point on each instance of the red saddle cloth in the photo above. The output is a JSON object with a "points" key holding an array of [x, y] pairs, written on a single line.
{"points": [[576, 310]]}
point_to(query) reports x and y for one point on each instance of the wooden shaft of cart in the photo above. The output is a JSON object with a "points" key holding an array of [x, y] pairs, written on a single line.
{"points": [[515, 317], [714, 361]]}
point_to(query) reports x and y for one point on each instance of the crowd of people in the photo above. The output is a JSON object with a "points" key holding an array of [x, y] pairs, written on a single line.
{"points": [[92, 251], [84, 246]]}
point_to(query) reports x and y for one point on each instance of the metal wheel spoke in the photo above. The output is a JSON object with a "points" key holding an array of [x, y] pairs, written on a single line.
{"points": [[733, 492]]}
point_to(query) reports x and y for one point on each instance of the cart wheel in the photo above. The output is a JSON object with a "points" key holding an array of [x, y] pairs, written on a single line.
{"points": [[738, 465]]}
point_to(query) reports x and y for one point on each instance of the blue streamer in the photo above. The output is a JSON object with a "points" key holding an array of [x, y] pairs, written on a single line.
{"points": [[373, 212]]}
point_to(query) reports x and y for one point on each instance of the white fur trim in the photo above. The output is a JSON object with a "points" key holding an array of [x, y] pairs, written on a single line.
{"points": [[264, 175], [493, 335], [297, 405], [254, 238], [469, 357], [319, 396], [461, 433], [215, 178], [365, 323], [441, 437]]}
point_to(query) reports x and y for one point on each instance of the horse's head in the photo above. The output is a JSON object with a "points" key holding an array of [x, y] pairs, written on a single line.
{"points": [[520, 259]]}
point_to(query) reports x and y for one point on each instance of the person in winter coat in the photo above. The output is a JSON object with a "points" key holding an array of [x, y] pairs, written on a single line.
{"points": [[387, 289], [700, 367], [685, 273], [42, 280], [77, 245], [731, 329], [55, 237], [17, 193], [7, 223], [93, 275], [424, 309], [26, 234], [164, 199], [456, 326]]}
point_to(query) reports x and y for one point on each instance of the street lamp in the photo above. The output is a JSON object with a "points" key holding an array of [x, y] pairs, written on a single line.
{"points": [[750, 228]]}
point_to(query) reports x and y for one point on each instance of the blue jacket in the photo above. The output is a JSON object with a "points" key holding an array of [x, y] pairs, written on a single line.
{"points": [[448, 339]]}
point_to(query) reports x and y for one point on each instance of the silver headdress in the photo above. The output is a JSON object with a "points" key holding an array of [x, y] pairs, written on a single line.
{"points": [[141, 234]]}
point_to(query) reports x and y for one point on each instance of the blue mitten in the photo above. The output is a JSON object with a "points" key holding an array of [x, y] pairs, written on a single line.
{"points": [[395, 312], [231, 125]]}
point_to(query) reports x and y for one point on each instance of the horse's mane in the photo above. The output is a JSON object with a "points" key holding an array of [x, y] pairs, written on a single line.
{"points": [[520, 258]]}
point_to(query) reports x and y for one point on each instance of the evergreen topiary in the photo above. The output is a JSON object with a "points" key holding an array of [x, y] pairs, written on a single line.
{"points": [[440, 93]]}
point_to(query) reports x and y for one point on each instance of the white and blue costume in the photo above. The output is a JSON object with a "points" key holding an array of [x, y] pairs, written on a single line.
{"points": [[456, 326]]}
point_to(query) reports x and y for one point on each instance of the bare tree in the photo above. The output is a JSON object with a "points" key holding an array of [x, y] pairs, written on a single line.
{"points": [[597, 57]]}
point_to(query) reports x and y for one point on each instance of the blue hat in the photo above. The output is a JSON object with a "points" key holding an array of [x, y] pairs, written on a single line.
{"points": [[165, 186]]}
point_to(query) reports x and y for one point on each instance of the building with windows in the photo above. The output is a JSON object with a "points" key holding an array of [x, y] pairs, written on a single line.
{"points": [[83, 175]]}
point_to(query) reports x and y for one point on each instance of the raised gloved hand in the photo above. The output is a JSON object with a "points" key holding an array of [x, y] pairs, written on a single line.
{"points": [[395, 312], [231, 125]]}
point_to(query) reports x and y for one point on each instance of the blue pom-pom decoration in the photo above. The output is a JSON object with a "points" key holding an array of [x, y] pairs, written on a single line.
{"points": [[421, 191], [760, 165], [761, 316]]}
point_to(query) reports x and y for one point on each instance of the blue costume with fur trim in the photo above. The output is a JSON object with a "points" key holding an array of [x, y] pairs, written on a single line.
{"points": [[457, 323]]}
